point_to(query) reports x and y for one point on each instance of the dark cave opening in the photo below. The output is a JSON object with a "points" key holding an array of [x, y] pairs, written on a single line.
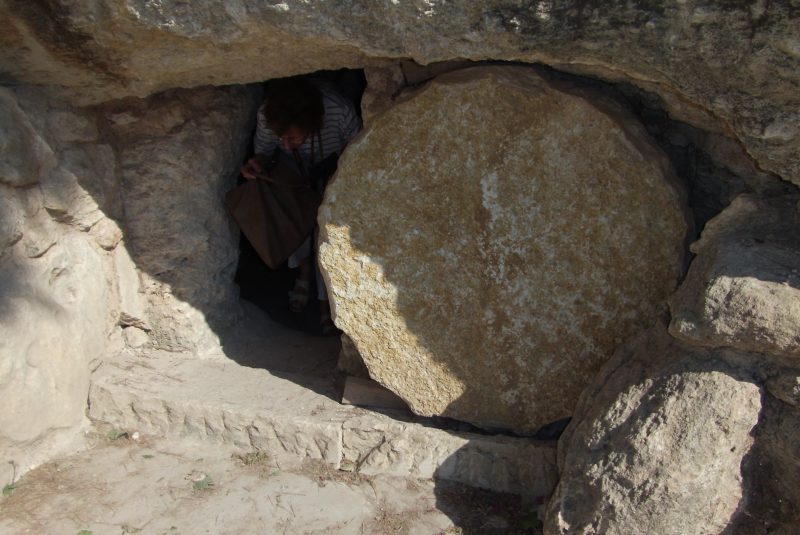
{"points": [[269, 288]]}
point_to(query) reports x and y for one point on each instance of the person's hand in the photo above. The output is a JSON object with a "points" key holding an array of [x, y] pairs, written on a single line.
{"points": [[252, 168]]}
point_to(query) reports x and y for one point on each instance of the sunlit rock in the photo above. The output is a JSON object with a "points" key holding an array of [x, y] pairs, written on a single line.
{"points": [[743, 288], [492, 239], [660, 443]]}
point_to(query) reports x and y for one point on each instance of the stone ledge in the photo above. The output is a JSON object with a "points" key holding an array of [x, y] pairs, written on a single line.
{"points": [[170, 395]]}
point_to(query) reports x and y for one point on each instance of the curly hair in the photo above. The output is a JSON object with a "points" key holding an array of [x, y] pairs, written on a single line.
{"points": [[293, 102]]}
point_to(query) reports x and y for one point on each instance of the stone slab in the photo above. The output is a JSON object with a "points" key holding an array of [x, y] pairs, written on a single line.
{"points": [[164, 394], [150, 486]]}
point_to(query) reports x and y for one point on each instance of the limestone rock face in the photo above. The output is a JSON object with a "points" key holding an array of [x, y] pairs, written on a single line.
{"points": [[786, 387], [743, 288], [772, 503], [684, 52], [384, 84], [55, 297], [657, 444], [25, 155], [491, 240], [49, 333], [110, 217], [178, 153]]}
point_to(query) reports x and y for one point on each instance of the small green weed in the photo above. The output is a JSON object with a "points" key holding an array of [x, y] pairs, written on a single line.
{"points": [[84, 532], [9, 488], [259, 461], [116, 434], [253, 458], [203, 484], [147, 456]]}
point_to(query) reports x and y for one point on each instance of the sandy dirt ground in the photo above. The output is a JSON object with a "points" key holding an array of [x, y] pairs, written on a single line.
{"points": [[125, 485]]}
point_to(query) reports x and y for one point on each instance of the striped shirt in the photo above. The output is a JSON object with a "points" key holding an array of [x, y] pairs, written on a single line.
{"points": [[339, 124]]}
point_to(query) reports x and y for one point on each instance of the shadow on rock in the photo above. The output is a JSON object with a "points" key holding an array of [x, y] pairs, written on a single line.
{"points": [[662, 441]]}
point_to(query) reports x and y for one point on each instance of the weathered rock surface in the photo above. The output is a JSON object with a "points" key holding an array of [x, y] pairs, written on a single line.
{"points": [[52, 325], [682, 51], [132, 307], [492, 239], [786, 387], [25, 155], [164, 394], [772, 502], [743, 288], [657, 444], [178, 153], [71, 278], [55, 297], [146, 486]]}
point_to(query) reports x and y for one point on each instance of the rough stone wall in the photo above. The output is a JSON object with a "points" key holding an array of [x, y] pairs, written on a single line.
{"points": [[177, 154], [58, 286], [722, 66], [112, 233]]}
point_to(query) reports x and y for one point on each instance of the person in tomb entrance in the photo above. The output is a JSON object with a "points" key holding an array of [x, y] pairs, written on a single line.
{"points": [[311, 123]]}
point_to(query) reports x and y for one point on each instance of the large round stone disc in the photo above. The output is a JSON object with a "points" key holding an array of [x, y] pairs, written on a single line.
{"points": [[489, 241]]}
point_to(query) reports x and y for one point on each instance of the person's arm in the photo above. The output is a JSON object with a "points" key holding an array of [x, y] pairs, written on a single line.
{"points": [[264, 144]]}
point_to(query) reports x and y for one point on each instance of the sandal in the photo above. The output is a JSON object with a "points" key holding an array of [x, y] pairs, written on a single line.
{"points": [[298, 297]]}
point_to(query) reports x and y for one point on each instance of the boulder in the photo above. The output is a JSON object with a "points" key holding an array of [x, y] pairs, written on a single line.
{"points": [[657, 444], [492, 239], [743, 288]]}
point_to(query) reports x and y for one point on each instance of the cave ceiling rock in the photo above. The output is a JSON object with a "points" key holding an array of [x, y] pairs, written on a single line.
{"points": [[724, 67]]}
